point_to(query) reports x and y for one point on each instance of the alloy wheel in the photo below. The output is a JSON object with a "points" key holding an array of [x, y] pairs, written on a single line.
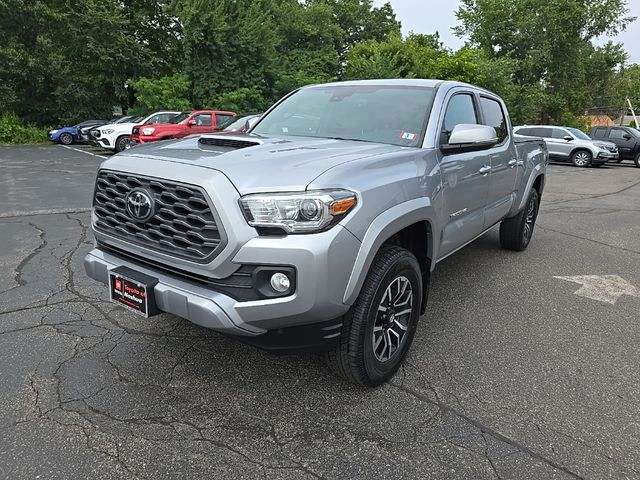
{"points": [[530, 219], [581, 159], [392, 319]]}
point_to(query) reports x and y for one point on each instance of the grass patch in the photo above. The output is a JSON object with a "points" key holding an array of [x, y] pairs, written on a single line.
{"points": [[14, 131]]}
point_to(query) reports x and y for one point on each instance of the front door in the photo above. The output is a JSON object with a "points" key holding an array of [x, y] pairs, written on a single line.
{"points": [[558, 146], [465, 179], [624, 141]]}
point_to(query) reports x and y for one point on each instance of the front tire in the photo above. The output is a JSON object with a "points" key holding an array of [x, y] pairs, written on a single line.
{"points": [[516, 232], [66, 139], [637, 160], [378, 330], [122, 142], [581, 158]]}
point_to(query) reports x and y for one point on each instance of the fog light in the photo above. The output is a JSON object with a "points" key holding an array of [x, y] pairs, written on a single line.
{"points": [[280, 282]]}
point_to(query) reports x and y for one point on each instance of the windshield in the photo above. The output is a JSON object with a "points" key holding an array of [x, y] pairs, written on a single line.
{"points": [[238, 124], [372, 113], [179, 118], [123, 119], [634, 132], [579, 134]]}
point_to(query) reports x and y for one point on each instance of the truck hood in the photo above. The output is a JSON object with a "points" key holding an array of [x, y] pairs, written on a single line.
{"points": [[273, 165]]}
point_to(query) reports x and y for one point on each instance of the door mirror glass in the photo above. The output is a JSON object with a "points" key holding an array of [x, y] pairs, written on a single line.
{"points": [[469, 138]]}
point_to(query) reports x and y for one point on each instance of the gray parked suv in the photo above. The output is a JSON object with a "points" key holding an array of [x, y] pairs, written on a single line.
{"points": [[570, 144], [319, 230]]}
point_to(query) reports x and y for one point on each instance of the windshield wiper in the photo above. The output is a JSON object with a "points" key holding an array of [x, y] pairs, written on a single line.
{"points": [[351, 139]]}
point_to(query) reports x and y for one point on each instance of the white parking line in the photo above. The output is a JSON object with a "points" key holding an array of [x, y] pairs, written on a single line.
{"points": [[83, 151]]}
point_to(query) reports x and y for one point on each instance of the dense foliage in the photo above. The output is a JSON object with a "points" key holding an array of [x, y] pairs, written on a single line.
{"points": [[67, 61]]}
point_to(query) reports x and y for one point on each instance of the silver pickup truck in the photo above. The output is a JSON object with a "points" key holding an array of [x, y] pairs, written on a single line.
{"points": [[320, 228]]}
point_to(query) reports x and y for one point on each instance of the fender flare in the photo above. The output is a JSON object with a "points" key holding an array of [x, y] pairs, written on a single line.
{"points": [[533, 176], [383, 227]]}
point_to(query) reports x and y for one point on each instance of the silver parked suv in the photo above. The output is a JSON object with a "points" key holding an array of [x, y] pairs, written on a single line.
{"points": [[570, 144], [321, 227]]}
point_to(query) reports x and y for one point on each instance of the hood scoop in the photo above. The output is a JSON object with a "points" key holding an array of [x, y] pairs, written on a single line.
{"points": [[227, 142]]}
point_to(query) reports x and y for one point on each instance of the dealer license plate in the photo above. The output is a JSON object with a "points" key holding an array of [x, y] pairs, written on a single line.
{"points": [[133, 290]]}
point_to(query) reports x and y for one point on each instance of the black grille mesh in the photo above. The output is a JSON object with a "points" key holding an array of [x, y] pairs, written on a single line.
{"points": [[226, 142], [183, 224]]}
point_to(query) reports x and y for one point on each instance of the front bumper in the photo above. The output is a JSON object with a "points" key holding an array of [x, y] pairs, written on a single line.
{"points": [[606, 156], [323, 264]]}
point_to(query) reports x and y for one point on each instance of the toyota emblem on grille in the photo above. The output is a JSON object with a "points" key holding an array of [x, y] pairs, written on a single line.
{"points": [[140, 205]]}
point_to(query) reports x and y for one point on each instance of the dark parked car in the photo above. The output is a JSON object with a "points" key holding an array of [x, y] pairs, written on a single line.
{"points": [[69, 135], [626, 138]]}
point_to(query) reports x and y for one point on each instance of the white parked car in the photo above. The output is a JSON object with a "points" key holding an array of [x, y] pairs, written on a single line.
{"points": [[115, 136]]}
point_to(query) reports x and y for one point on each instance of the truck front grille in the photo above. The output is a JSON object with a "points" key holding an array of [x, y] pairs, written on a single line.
{"points": [[182, 225]]}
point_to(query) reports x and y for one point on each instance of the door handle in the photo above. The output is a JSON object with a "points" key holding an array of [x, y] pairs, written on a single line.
{"points": [[515, 163], [484, 170]]}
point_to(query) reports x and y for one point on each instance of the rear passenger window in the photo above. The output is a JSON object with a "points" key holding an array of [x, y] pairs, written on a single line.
{"points": [[494, 117], [527, 132], [461, 110], [222, 118], [544, 132]]}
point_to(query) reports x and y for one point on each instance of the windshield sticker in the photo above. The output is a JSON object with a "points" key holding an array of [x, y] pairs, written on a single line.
{"points": [[408, 136], [285, 130]]}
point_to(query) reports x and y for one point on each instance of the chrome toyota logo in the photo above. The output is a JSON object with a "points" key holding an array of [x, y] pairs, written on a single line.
{"points": [[139, 205]]}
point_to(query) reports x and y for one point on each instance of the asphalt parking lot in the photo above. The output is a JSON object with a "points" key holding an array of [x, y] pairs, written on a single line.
{"points": [[514, 372]]}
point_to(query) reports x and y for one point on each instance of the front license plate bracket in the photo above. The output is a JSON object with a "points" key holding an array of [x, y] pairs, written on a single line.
{"points": [[133, 290]]}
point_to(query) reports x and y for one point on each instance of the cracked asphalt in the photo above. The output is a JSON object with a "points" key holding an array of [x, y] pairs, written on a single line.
{"points": [[511, 374]]}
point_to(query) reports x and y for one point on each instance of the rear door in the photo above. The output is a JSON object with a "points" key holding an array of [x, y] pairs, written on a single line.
{"points": [[465, 186], [504, 162]]}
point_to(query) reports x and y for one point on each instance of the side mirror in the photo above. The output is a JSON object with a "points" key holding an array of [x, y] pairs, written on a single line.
{"points": [[568, 138], [191, 123], [470, 138], [626, 136]]}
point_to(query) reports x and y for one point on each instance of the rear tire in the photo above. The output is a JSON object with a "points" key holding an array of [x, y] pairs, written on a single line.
{"points": [[378, 330], [122, 142], [581, 158], [516, 232], [66, 139]]}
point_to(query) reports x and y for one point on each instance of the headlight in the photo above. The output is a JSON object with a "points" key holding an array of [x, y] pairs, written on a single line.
{"points": [[53, 131], [107, 131], [304, 212], [148, 131]]}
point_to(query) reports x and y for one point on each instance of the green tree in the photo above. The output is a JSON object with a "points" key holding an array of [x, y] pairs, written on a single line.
{"points": [[550, 42], [170, 92]]}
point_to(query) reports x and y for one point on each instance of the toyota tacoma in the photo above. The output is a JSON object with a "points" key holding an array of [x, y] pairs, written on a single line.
{"points": [[319, 229]]}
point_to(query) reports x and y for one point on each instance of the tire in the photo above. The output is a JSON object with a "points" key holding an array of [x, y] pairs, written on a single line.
{"points": [[581, 158], [122, 142], [66, 139], [516, 232], [369, 357], [637, 160]]}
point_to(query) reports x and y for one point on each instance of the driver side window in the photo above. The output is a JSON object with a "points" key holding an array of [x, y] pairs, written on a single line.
{"points": [[460, 110]]}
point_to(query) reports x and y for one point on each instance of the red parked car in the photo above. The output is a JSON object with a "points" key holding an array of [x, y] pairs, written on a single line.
{"points": [[186, 123]]}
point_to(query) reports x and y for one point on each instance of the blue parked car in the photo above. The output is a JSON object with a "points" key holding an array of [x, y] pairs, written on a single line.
{"points": [[69, 135]]}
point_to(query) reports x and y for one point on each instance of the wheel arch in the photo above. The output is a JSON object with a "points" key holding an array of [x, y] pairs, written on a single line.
{"points": [[410, 225]]}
